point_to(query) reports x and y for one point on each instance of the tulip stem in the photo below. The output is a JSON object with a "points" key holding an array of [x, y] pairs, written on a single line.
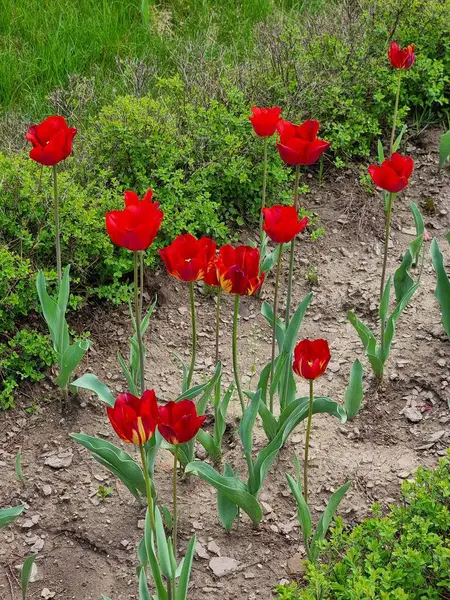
{"points": [[175, 516], [235, 361], [383, 271], [194, 336], [394, 124], [137, 315], [308, 435], [57, 233], [263, 200], [291, 261], [274, 325], [141, 275], [148, 487], [219, 296]]}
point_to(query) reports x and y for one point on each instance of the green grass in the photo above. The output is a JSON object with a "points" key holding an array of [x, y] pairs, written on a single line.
{"points": [[42, 42]]}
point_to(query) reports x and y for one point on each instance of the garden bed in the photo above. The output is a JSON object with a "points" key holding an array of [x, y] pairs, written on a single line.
{"points": [[87, 546]]}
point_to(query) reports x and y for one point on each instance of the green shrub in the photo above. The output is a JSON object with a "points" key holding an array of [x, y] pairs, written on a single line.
{"points": [[404, 555]]}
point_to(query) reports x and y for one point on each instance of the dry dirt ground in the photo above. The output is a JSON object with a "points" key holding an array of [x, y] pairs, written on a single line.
{"points": [[87, 547]]}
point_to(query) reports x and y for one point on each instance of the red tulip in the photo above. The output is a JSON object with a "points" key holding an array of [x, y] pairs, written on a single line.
{"points": [[178, 421], [134, 419], [187, 258], [52, 141], [401, 58], [264, 120], [137, 225], [298, 144], [210, 277], [238, 270], [311, 358], [281, 223], [393, 174]]}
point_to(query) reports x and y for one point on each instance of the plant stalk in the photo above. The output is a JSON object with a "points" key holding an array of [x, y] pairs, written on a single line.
{"points": [[57, 232], [235, 361], [394, 124], [194, 335], [148, 487], [308, 436], [219, 296], [274, 326], [263, 200], [175, 515], [383, 271], [137, 316]]}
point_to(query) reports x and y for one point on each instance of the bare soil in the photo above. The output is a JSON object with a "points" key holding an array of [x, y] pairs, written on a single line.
{"points": [[87, 547]]}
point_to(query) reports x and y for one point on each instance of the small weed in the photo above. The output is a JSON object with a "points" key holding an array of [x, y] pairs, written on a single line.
{"points": [[429, 206], [104, 492], [366, 182], [312, 275]]}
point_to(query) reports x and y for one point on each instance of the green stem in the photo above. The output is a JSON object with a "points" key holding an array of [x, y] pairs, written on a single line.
{"points": [[263, 200], [141, 274], [148, 488], [219, 295], [235, 361], [383, 272], [57, 233], [137, 315], [274, 326], [308, 436], [394, 124], [175, 516], [194, 335], [291, 258]]}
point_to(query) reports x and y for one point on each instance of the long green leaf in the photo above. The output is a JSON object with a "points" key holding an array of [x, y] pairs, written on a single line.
{"points": [[163, 548], [354, 392], [64, 290], [231, 487], [442, 292], [227, 510], [327, 515], [248, 422], [25, 574], [384, 304], [91, 382], [267, 313], [70, 361], [290, 338], [183, 583], [116, 460], [144, 594], [304, 516], [127, 374], [152, 559], [369, 342], [391, 322], [54, 317], [8, 515]]}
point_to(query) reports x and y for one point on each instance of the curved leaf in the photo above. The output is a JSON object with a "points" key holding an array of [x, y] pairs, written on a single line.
{"points": [[91, 382], [8, 515], [442, 292], [354, 392]]}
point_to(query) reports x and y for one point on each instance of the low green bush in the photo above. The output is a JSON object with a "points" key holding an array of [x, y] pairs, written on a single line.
{"points": [[404, 555]]}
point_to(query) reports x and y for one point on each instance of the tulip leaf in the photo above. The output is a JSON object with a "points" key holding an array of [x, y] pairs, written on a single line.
{"points": [[116, 460], [398, 140], [227, 510], [231, 487], [325, 519], [294, 325], [303, 514], [8, 515], [403, 281], [391, 322], [185, 574], [220, 412], [144, 594], [369, 342], [380, 151], [54, 316], [163, 549], [25, 574], [202, 402], [282, 360], [248, 422], [70, 361], [354, 392], [271, 258], [442, 291], [127, 374], [206, 440], [269, 422], [444, 149], [267, 313], [152, 559], [151, 448], [91, 382]]}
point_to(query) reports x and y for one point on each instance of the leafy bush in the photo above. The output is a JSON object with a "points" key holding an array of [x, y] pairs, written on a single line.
{"points": [[404, 555]]}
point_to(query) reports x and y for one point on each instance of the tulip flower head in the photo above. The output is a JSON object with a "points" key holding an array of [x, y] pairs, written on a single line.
{"points": [[51, 140], [393, 174], [265, 120], [298, 144], [210, 277], [187, 258], [238, 270], [401, 58], [179, 422], [134, 419], [137, 225], [311, 358], [281, 223]]}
